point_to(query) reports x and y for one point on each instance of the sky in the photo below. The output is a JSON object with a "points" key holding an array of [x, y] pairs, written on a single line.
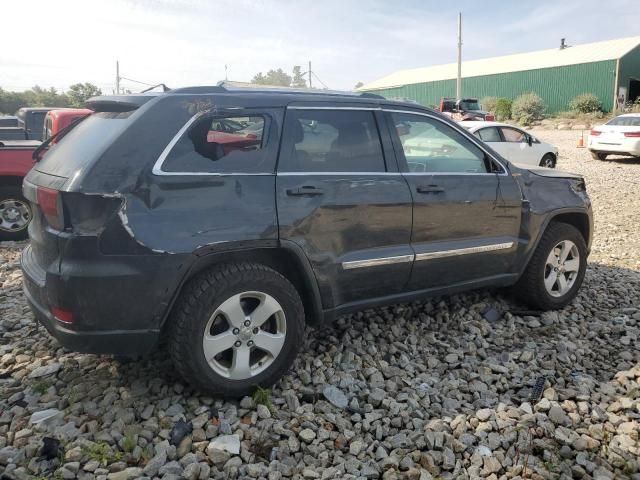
{"points": [[189, 42]]}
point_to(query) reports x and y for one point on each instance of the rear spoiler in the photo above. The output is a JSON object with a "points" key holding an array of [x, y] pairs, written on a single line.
{"points": [[118, 103]]}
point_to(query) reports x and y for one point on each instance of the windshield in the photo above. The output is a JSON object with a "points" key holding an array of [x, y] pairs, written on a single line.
{"points": [[84, 143], [469, 105], [625, 122]]}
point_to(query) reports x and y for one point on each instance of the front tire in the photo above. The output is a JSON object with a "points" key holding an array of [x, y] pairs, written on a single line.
{"points": [[556, 269], [15, 214], [548, 160], [236, 327], [598, 155]]}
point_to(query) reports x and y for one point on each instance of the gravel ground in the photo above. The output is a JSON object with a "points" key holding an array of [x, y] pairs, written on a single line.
{"points": [[435, 389]]}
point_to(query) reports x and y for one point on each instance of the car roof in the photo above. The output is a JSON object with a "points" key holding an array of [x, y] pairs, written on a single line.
{"points": [[35, 109], [629, 115], [278, 96]]}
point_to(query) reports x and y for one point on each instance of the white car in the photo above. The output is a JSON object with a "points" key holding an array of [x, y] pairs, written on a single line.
{"points": [[514, 144], [619, 136]]}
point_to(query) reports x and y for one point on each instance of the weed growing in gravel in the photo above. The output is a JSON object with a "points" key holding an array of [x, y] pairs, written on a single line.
{"points": [[262, 396], [101, 452], [41, 388], [129, 442]]}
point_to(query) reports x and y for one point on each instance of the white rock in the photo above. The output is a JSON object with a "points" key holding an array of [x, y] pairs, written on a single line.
{"points": [[226, 443]]}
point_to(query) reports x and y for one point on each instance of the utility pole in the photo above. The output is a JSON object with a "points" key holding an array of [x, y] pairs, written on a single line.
{"points": [[117, 77], [459, 79], [226, 71], [310, 84]]}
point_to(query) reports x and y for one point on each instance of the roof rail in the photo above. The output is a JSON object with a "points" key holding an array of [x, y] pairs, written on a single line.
{"points": [[229, 87]]}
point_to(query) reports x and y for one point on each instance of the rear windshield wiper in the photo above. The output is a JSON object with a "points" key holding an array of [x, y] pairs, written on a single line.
{"points": [[58, 135]]}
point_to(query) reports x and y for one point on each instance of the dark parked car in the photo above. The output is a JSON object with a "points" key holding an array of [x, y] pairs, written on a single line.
{"points": [[30, 124], [146, 227]]}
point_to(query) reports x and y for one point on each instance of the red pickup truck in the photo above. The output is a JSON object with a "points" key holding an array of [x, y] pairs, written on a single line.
{"points": [[16, 159]]}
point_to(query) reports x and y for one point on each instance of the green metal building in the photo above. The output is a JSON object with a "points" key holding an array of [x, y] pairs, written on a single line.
{"points": [[609, 69]]}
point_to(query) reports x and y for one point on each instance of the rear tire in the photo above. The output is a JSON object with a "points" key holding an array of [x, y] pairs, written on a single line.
{"points": [[598, 156], [226, 322], [15, 214], [556, 269], [548, 160]]}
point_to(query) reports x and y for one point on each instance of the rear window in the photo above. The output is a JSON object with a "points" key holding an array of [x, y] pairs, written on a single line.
{"points": [[84, 143], [625, 122]]}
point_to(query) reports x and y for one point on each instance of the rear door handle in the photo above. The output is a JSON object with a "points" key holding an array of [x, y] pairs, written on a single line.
{"points": [[429, 189], [305, 191]]}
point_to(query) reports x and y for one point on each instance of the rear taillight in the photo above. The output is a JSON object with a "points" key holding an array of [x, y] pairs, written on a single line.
{"points": [[489, 118], [62, 315], [595, 133], [51, 206], [632, 134]]}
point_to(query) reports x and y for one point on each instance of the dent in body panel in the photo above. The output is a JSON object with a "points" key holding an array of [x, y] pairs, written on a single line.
{"points": [[175, 215], [544, 197]]}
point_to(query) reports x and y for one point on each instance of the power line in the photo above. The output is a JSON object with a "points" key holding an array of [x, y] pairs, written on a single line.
{"points": [[138, 81], [318, 78]]}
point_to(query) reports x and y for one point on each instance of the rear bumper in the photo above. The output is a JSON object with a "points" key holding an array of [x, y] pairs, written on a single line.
{"points": [[42, 288], [622, 148]]}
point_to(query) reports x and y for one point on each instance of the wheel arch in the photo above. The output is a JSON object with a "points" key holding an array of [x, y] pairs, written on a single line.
{"points": [[552, 154], [11, 181], [286, 258], [578, 218]]}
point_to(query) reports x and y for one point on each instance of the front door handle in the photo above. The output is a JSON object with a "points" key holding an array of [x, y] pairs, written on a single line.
{"points": [[429, 189], [305, 191]]}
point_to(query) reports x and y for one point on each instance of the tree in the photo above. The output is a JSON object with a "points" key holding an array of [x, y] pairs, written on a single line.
{"points": [[79, 93], [298, 78], [273, 77], [358, 85]]}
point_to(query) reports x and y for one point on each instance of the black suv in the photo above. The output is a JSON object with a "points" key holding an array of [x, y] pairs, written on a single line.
{"points": [[225, 220]]}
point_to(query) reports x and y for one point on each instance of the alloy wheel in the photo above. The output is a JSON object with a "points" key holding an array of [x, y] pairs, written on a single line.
{"points": [[244, 335], [561, 268]]}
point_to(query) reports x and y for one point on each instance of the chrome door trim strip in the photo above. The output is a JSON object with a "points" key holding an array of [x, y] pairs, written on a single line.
{"points": [[375, 262], [463, 251]]}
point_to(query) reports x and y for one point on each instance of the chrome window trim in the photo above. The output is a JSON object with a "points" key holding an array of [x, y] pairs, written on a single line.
{"points": [[463, 251], [315, 107], [375, 262], [157, 167], [350, 174]]}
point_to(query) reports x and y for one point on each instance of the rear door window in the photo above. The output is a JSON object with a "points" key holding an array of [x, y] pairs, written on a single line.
{"points": [[331, 141], [221, 144]]}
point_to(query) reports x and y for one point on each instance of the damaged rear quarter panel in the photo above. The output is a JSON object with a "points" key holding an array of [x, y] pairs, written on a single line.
{"points": [[183, 214]]}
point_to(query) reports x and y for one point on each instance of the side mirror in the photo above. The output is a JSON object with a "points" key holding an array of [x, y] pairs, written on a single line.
{"points": [[529, 140]]}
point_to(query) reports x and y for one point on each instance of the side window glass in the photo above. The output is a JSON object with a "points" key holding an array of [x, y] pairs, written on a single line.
{"points": [[221, 145], [331, 141], [490, 134], [47, 129], [433, 146], [514, 136]]}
